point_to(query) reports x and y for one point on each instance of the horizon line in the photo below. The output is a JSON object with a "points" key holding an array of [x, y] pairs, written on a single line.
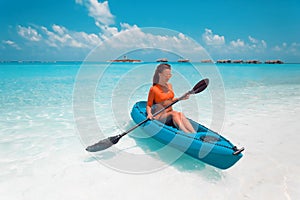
{"points": [[82, 61]]}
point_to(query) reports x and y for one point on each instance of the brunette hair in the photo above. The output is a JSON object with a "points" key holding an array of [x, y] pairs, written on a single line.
{"points": [[159, 69]]}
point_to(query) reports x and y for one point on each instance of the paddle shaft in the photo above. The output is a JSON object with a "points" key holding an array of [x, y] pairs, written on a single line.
{"points": [[108, 142]]}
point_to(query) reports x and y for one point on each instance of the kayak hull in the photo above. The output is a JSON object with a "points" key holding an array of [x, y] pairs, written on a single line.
{"points": [[205, 145]]}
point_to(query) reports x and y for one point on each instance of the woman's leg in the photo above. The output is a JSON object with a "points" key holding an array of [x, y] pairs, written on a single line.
{"points": [[176, 120], [179, 120], [187, 123], [184, 124]]}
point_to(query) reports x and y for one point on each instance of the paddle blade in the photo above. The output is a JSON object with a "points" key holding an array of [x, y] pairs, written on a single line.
{"points": [[104, 144], [200, 86]]}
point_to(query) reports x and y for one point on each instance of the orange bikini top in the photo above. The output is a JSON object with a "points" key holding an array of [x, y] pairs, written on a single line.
{"points": [[157, 95]]}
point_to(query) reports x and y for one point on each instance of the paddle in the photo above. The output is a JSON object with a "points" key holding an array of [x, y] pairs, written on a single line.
{"points": [[108, 142]]}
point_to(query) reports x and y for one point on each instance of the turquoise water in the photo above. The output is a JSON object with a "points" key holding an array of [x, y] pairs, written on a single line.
{"points": [[45, 107]]}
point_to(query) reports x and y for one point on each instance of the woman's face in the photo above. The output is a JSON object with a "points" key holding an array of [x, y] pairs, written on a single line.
{"points": [[165, 75]]}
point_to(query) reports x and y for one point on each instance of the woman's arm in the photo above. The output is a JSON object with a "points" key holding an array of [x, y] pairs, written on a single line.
{"points": [[150, 103], [149, 113], [186, 96]]}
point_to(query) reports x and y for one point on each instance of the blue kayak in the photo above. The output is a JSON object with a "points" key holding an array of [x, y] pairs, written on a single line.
{"points": [[205, 145]]}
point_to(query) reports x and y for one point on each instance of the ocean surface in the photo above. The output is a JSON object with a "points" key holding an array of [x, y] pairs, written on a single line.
{"points": [[51, 112]]}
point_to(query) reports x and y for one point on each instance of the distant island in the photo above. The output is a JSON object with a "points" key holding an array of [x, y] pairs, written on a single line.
{"points": [[207, 61], [273, 62], [226, 61], [183, 60], [125, 60], [250, 61], [163, 60]]}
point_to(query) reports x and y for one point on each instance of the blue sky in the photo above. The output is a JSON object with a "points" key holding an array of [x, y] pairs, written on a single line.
{"points": [[228, 29]]}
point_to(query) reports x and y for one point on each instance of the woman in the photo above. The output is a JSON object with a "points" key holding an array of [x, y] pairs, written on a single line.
{"points": [[160, 95]]}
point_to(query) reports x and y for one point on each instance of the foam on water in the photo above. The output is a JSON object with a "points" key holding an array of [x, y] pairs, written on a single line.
{"points": [[42, 155]]}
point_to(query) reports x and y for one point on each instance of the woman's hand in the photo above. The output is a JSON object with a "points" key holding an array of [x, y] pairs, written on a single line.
{"points": [[149, 112], [150, 116], [186, 96]]}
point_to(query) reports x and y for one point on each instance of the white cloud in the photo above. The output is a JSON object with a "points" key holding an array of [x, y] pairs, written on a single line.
{"points": [[131, 38], [276, 48], [294, 44], [235, 48], [128, 37], [295, 48], [286, 48], [107, 31], [253, 40], [280, 47], [284, 44], [256, 43], [99, 11], [212, 39], [62, 37], [126, 26], [59, 29], [29, 33], [11, 43], [264, 44], [90, 40], [238, 43]]}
